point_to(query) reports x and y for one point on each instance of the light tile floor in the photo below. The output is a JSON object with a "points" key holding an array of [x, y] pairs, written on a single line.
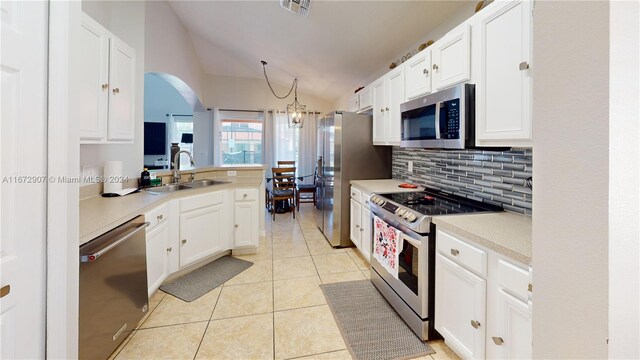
{"points": [[273, 310]]}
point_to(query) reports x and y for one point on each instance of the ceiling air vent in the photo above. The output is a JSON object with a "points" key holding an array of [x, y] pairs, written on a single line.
{"points": [[300, 7]]}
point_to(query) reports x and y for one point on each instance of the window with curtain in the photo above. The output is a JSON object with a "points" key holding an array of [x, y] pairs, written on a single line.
{"points": [[241, 137], [286, 139], [297, 144]]}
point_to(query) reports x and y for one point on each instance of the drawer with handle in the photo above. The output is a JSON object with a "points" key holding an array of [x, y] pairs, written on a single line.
{"points": [[246, 195], [356, 194], [157, 215], [462, 252], [513, 279]]}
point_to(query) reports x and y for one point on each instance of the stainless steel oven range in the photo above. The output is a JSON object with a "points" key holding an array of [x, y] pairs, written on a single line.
{"points": [[411, 291]]}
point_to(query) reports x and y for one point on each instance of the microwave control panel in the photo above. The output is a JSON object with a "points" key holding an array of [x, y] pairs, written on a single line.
{"points": [[452, 119]]}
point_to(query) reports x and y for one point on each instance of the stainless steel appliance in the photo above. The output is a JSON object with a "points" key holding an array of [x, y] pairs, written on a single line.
{"points": [[113, 288], [445, 119], [345, 152], [411, 293]]}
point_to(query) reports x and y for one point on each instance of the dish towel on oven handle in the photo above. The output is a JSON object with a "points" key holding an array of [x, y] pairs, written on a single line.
{"points": [[387, 245]]}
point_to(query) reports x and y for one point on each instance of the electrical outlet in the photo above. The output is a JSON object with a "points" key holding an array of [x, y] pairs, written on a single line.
{"points": [[232, 173], [410, 166]]}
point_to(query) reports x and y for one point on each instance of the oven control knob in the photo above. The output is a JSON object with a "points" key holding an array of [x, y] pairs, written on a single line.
{"points": [[406, 215], [412, 217], [400, 211]]}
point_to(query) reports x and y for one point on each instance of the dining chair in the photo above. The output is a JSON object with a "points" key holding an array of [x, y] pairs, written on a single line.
{"points": [[284, 188], [286, 163], [307, 189]]}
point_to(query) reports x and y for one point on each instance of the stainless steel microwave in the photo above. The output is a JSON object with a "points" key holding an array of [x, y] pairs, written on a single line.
{"points": [[443, 120]]}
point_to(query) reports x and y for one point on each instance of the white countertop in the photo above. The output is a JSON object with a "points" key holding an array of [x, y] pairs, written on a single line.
{"points": [[382, 186], [506, 233]]}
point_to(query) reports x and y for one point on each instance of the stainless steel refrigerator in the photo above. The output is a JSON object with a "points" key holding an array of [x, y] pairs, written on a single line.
{"points": [[345, 153]]}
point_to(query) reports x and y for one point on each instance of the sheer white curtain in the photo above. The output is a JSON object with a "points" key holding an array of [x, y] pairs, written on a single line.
{"points": [[285, 143]]}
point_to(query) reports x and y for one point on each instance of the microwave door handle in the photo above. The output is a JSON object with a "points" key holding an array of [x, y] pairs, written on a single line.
{"points": [[437, 119]]}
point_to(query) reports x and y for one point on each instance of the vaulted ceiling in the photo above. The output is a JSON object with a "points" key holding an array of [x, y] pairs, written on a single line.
{"points": [[335, 49]]}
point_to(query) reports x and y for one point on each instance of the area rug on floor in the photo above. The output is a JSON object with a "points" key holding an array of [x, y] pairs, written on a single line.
{"points": [[369, 325], [200, 281]]}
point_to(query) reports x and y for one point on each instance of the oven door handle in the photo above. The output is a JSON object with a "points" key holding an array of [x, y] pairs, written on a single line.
{"points": [[411, 241]]}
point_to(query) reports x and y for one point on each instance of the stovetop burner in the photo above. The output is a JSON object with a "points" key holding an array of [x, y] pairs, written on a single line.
{"points": [[420, 199]]}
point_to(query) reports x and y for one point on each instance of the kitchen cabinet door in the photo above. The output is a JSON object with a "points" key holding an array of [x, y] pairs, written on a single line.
{"points": [[418, 75], [92, 76], [502, 57], [122, 70], [158, 250], [365, 101], [366, 238], [379, 90], [201, 233], [354, 103], [395, 98], [460, 308], [246, 225], [354, 221], [512, 338], [451, 62]]}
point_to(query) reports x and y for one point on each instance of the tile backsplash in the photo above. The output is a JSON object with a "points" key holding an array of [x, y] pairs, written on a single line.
{"points": [[495, 177]]}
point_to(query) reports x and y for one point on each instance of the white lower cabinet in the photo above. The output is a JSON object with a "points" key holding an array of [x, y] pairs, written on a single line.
{"points": [[460, 308], [355, 218], [481, 308], [202, 222], [158, 252], [246, 227], [366, 240]]}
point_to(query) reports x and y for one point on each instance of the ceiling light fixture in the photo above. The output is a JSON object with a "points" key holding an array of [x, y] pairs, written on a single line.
{"points": [[300, 7], [296, 112]]}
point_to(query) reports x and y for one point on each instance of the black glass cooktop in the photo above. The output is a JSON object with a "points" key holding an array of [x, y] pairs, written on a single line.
{"points": [[434, 202]]}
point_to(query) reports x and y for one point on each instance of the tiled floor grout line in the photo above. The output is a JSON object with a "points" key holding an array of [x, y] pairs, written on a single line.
{"points": [[320, 353], [206, 328], [273, 297]]}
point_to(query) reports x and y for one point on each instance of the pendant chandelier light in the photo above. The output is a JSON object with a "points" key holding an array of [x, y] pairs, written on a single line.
{"points": [[296, 111]]}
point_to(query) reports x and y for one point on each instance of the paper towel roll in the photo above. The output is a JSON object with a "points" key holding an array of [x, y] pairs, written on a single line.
{"points": [[112, 176]]}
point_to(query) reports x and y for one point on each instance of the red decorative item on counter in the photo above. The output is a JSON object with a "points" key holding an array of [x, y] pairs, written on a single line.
{"points": [[408, 186]]}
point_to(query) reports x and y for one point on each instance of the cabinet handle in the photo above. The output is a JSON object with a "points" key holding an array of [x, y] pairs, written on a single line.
{"points": [[169, 249], [381, 110], [361, 229], [523, 66], [236, 226], [497, 340], [105, 86], [530, 288], [244, 195], [357, 226], [116, 91], [184, 241], [386, 109], [435, 67], [475, 324], [5, 291], [455, 252], [425, 71], [160, 217]]}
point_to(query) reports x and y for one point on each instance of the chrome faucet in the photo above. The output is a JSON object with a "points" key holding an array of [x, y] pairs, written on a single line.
{"points": [[176, 165]]}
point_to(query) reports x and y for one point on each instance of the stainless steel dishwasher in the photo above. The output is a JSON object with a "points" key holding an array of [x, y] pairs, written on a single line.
{"points": [[113, 288]]}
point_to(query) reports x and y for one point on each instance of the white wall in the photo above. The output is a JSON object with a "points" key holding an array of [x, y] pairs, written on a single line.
{"points": [[125, 19], [624, 158], [456, 19], [571, 172], [237, 93], [168, 46]]}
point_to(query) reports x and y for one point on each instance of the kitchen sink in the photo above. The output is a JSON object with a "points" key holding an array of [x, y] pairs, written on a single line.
{"points": [[203, 183], [168, 188], [188, 185]]}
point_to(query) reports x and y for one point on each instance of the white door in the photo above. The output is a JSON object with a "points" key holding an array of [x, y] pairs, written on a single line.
{"points": [[379, 114], [93, 80], [23, 170], [513, 337], [354, 220], [246, 225], [460, 308], [365, 239], [158, 250], [201, 233], [452, 58], [502, 53], [418, 75], [395, 98], [122, 70]]}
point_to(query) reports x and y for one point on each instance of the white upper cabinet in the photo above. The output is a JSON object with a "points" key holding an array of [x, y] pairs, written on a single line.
{"points": [[106, 86], [93, 78], [365, 100], [418, 75], [122, 70], [502, 60], [388, 94], [354, 101], [451, 58]]}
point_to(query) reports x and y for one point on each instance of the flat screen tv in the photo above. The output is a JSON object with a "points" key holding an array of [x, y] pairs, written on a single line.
{"points": [[155, 138]]}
